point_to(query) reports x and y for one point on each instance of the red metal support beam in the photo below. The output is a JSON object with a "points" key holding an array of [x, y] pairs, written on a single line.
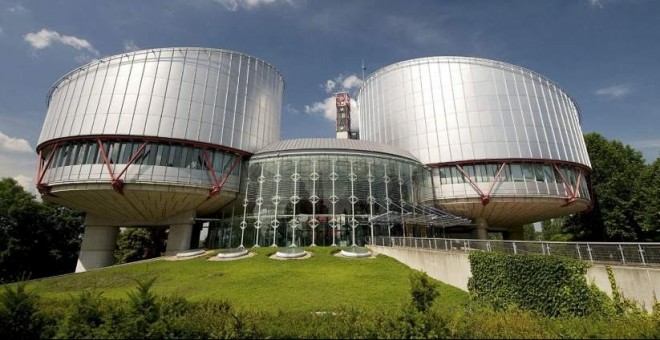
{"points": [[472, 183], [117, 182], [106, 161], [486, 199], [211, 169], [572, 192], [218, 186], [44, 188]]}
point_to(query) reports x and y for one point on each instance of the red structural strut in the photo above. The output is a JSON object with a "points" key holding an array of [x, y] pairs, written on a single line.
{"points": [[485, 197], [116, 181], [572, 193], [217, 185], [41, 172]]}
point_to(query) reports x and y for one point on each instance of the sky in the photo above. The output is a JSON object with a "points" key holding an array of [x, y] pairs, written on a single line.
{"points": [[604, 53]]}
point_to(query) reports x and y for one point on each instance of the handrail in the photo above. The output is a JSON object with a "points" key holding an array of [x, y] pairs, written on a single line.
{"points": [[622, 253]]}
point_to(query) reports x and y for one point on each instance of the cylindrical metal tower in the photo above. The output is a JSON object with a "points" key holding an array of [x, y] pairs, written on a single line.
{"points": [[143, 137], [504, 143]]}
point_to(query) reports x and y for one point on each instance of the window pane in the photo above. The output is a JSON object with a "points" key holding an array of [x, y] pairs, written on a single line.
{"points": [[163, 154], [92, 153]]}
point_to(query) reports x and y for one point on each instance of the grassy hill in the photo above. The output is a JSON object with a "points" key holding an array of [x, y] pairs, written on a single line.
{"points": [[324, 282]]}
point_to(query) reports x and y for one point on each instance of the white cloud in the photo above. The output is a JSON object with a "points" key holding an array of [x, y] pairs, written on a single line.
{"points": [[17, 9], [325, 108], [19, 166], [14, 144], [234, 5], [328, 110], [84, 58], [26, 182], [288, 108], [614, 92], [341, 83], [596, 3], [329, 85], [44, 38], [351, 82], [130, 46]]}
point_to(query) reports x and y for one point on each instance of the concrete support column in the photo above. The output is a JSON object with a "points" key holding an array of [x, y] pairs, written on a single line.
{"points": [[480, 232], [179, 237], [515, 233], [98, 247]]}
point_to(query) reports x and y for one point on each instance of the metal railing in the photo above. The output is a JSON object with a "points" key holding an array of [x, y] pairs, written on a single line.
{"points": [[623, 253]]}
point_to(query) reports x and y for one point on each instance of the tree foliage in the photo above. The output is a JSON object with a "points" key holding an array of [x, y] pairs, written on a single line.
{"points": [[36, 239], [649, 212], [133, 244], [19, 317], [620, 209]]}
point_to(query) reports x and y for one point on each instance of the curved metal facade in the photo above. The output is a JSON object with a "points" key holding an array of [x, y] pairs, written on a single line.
{"points": [[206, 95], [174, 124], [488, 130], [454, 109]]}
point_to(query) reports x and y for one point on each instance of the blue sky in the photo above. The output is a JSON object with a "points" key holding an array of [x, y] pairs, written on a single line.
{"points": [[605, 53]]}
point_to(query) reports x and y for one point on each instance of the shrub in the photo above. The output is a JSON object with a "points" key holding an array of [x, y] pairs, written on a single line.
{"points": [[19, 316], [85, 316], [423, 291], [553, 286]]}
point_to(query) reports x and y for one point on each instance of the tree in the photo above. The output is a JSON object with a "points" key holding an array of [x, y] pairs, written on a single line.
{"points": [[530, 233], [133, 244], [36, 239], [649, 211], [617, 169], [552, 230]]}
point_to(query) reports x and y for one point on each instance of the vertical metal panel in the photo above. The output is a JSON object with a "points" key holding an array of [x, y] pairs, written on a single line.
{"points": [[213, 96], [449, 109]]}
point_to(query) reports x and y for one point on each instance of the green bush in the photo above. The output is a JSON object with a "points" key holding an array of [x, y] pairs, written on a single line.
{"points": [[423, 291], [19, 315], [147, 315], [85, 318], [551, 285]]}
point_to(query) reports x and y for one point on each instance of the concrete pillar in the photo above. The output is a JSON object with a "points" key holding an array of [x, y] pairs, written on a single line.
{"points": [[480, 232], [98, 247], [178, 239], [515, 233]]}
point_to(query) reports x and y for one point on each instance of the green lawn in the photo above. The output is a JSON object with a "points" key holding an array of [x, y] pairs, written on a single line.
{"points": [[323, 282]]}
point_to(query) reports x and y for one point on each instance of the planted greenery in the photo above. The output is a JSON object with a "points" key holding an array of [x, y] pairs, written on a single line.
{"points": [[322, 282], [553, 286], [150, 315]]}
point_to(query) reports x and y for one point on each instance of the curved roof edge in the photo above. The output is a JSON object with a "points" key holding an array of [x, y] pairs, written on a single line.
{"points": [[147, 50], [304, 145]]}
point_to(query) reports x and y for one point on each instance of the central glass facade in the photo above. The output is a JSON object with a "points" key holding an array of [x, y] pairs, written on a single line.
{"points": [[319, 199]]}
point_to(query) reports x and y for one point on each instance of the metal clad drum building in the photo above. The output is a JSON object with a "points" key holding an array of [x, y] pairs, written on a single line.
{"points": [[205, 95], [488, 129], [156, 136]]}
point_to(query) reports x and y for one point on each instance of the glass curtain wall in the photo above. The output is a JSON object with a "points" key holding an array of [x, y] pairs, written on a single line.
{"points": [[516, 179], [320, 200], [158, 162]]}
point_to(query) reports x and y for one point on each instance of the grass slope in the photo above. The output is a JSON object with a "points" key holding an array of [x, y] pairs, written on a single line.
{"points": [[323, 282]]}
